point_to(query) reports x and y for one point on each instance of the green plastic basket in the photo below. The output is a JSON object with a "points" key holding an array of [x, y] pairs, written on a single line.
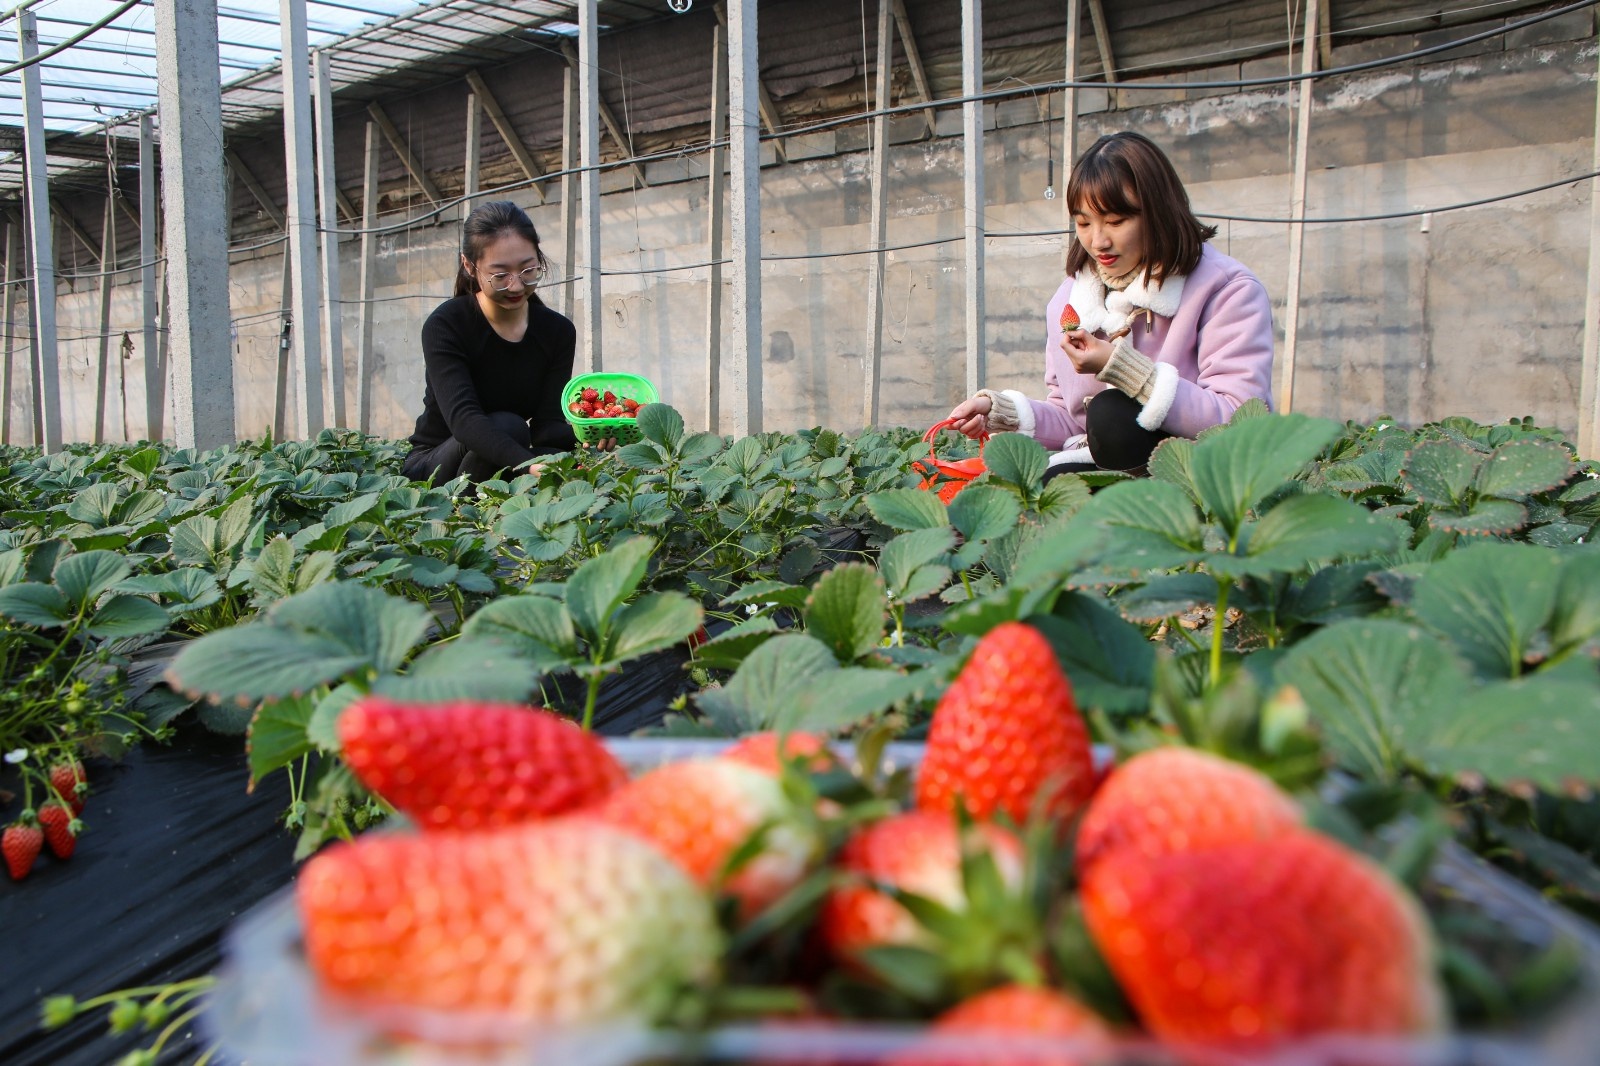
{"points": [[594, 430]]}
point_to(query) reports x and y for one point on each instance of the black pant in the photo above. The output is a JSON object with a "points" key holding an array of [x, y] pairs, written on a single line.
{"points": [[450, 458], [1116, 439]]}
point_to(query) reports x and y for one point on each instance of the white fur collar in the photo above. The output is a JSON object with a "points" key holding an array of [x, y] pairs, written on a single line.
{"points": [[1099, 310]]}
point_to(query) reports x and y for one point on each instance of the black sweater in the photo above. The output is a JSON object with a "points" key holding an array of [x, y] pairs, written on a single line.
{"points": [[472, 371]]}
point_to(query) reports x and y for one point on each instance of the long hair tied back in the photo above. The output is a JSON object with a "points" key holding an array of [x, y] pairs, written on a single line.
{"points": [[487, 222]]}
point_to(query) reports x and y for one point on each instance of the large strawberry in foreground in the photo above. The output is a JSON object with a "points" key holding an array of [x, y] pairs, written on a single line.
{"points": [[700, 811], [1006, 736], [1178, 799], [565, 921], [1285, 937], [471, 765]]}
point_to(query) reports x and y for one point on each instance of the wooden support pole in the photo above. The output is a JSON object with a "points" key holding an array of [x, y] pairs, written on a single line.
{"points": [[286, 326], [257, 190], [1297, 210], [619, 136], [508, 132], [879, 225], [1108, 61], [108, 263], [716, 193], [471, 165], [403, 150], [919, 71], [369, 269]]}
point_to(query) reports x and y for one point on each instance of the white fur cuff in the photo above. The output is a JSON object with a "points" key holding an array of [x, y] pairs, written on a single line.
{"points": [[1071, 455], [1025, 418], [1162, 393]]}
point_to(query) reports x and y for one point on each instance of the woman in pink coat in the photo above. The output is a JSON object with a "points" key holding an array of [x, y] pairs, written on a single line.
{"points": [[1154, 333]]}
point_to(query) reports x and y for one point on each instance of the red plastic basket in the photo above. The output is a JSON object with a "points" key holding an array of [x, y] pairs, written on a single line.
{"points": [[949, 476]]}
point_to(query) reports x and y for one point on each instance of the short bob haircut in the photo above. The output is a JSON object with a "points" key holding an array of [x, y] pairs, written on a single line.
{"points": [[1126, 174]]}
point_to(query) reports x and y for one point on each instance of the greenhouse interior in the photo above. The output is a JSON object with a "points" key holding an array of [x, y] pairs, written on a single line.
{"points": [[705, 531]]}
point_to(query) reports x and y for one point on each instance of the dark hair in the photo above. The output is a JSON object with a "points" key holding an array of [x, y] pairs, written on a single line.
{"points": [[486, 223], [1126, 174]]}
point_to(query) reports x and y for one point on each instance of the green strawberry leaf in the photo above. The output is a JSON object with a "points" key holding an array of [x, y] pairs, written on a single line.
{"points": [[1238, 467], [846, 610], [1166, 595], [368, 508], [598, 587], [95, 506], [1303, 531], [323, 727], [127, 616], [1149, 525], [1018, 460], [728, 649], [273, 574], [1440, 473], [653, 622], [82, 578], [1367, 684], [255, 661], [1109, 661], [463, 670], [660, 424], [278, 734], [1173, 462], [1540, 732], [1575, 619], [539, 628], [1484, 518], [906, 509], [1034, 559], [767, 684], [905, 562], [35, 604], [983, 512], [380, 629], [764, 592], [1490, 601], [1523, 468]]}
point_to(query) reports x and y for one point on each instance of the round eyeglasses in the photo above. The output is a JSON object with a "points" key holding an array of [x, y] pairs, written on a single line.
{"points": [[501, 280]]}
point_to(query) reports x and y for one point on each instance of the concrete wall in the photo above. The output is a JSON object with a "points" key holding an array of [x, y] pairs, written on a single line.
{"points": [[1476, 312]]}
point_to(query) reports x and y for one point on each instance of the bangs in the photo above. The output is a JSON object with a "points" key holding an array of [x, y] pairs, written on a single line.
{"points": [[1103, 187]]}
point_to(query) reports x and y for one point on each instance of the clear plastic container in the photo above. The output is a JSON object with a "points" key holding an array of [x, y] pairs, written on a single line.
{"points": [[267, 1009]]}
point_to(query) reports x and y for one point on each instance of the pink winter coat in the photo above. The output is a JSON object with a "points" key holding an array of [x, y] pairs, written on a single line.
{"points": [[1210, 337]]}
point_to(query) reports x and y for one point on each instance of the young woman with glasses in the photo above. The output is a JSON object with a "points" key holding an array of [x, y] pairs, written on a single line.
{"points": [[496, 359]]}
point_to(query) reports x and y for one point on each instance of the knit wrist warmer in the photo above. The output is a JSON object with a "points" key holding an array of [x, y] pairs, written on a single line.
{"points": [[1129, 370], [1003, 416]]}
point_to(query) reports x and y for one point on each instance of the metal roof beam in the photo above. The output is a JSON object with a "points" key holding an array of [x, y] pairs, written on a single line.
{"points": [[508, 132], [72, 227], [608, 117], [403, 150], [1102, 38], [244, 174]]}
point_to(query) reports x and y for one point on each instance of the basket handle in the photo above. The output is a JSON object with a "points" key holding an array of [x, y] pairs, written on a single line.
{"points": [[933, 431]]}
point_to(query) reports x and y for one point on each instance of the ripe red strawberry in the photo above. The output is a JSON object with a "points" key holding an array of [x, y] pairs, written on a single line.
{"points": [[21, 845], [700, 811], [697, 638], [1069, 319], [630, 403], [590, 395], [576, 407], [1178, 799], [56, 822], [609, 397], [761, 750], [70, 780], [1264, 939], [918, 852], [565, 921], [471, 765], [1006, 736], [1010, 1026]]}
